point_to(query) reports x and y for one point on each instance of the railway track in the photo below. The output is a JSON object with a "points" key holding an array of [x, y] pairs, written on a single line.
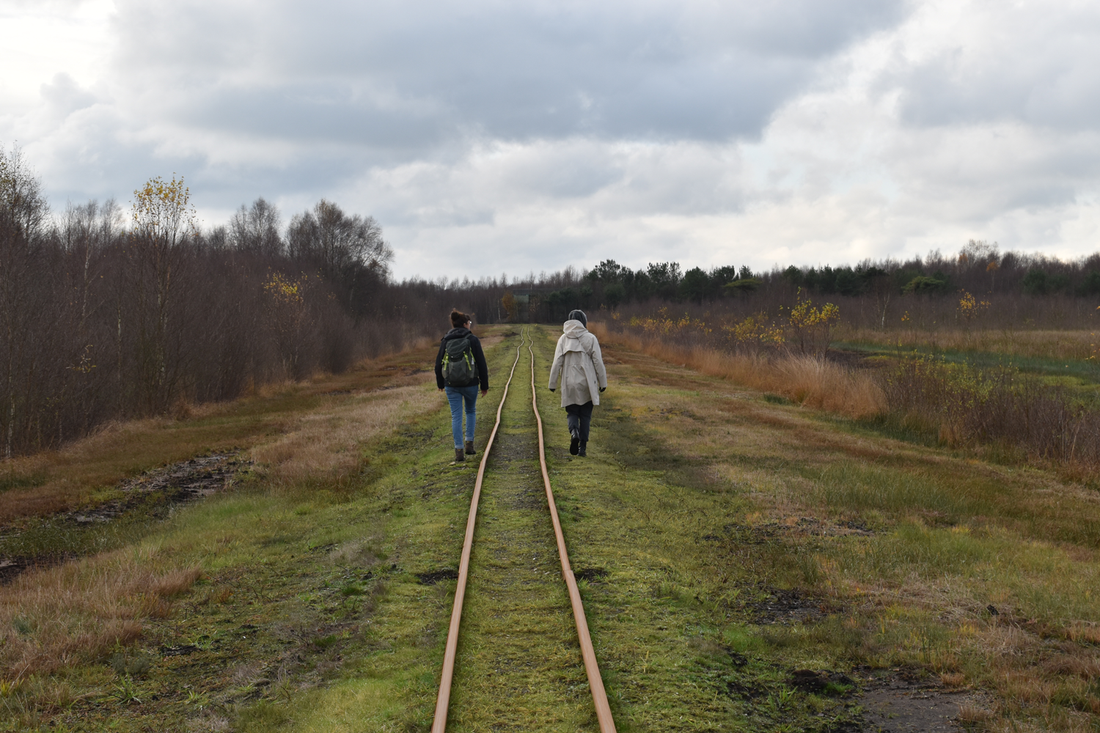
{"points": [[582, 638]]}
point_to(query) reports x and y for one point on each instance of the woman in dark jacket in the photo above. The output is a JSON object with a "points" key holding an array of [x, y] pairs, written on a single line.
{"points": [[466, 391]]}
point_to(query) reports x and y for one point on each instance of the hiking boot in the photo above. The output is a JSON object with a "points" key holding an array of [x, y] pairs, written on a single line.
{"points": [[459, 456], [574, 441], [469, 447], [582, 451]]}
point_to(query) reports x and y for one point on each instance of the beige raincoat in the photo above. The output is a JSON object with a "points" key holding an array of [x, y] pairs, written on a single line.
{"points": [[577, 360]]}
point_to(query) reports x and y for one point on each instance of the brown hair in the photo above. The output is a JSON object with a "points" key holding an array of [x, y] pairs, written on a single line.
{"points": [[458, 318]]}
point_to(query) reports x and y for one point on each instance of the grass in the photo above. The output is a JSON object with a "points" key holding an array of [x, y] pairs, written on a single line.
{"points": [[1077, 371], [1042, 345], [946, 538], [729, 545], [518, 661], [85, 471], [805, 380]]}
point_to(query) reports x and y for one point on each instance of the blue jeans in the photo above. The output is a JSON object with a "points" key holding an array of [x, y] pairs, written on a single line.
{"points": [[456, 396]]}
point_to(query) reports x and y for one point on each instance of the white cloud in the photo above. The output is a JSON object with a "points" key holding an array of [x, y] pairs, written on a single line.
{"points": [[490, 135]]}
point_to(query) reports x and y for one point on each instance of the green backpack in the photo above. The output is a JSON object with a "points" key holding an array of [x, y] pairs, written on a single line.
{"points": [[459, 367]]}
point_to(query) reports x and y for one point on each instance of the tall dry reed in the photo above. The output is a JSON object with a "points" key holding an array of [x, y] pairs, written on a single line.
{"points": [[806, 380]]}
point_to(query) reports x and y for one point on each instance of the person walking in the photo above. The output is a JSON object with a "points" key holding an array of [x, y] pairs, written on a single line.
{"points": [[579, 364], [460, 370]]}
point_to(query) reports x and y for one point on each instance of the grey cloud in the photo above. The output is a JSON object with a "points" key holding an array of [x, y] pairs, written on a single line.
{"points": [[319, 112], [513, 71], [977, 177], [448, 217], [807, 28], [1025, 64], [64, 96]]}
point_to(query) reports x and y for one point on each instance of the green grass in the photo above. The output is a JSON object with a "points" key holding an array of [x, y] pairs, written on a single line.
{"points": [[724, 543], [1077, 373]]}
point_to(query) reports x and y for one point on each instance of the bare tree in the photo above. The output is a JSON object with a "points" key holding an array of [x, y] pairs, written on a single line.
{"points": [[23, 213], [348, 250], [338, 242], [256, 229], [163, 223]]}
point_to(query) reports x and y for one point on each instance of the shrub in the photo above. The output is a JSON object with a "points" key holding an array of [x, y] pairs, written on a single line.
{"points": [[966, 405]]}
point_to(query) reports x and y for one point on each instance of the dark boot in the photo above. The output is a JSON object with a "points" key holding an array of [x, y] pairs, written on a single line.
{"points": [[574, 441], [582, 451], [459, 457], [469, 447]]}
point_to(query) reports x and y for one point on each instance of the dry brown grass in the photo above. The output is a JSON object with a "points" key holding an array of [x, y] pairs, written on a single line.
{"points": [[806, 380], [56, 490], [60, 480], [80, 611], [1086, 633], [327, 442]]}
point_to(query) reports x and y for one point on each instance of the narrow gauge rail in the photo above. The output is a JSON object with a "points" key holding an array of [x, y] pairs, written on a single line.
{"points": [[588, 654]]}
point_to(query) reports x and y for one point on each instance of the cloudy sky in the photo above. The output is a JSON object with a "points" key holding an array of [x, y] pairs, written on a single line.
{"points": [[515, 136]]}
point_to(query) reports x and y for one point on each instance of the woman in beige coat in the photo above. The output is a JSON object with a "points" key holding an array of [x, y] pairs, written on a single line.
{"points": [[579, 364]]}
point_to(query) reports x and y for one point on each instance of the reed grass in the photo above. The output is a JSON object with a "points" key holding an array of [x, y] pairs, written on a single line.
{"points": [[803, 379]]}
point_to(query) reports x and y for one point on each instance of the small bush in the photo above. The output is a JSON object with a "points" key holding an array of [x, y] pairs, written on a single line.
{"points": [[972, 406]]}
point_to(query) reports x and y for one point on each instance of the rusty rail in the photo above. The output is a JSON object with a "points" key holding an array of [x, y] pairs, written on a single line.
{"points": [[595, 682], [591, 668], [439, 724]]}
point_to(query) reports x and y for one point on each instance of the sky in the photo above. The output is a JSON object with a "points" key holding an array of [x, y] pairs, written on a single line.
{"points": [[498, 138]]}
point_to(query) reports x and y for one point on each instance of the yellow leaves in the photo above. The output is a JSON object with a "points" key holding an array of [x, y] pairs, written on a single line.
{"points": [[809, 326], [968, 304], [755, 330], [663, 325], [804, 315], [162, 210], [969, 307], [284, 291]]}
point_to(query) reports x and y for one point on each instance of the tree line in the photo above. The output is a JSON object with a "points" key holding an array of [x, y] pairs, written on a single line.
{"points": [[1043, 289], [105, 316]]}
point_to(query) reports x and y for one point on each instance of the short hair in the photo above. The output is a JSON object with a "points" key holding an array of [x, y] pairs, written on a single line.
{"points": [[458, 318]]}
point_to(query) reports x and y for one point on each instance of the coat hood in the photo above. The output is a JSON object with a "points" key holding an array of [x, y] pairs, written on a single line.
{"points": [[574, 329]]}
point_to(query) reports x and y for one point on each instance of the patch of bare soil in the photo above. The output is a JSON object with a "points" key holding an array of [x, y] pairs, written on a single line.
{"points": [[782, 606], [154, 494], [764, 532], [179, 483], [12, 566], [435, 576], [898, 701]]}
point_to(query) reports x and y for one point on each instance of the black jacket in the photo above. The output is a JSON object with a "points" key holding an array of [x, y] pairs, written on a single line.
{"points": [[479, 358]]}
